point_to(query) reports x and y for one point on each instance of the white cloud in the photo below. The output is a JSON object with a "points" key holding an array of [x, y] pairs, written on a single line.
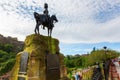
{"points": [[77, 19]]}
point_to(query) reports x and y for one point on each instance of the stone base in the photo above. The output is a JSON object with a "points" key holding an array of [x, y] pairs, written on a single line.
{"points": [[38, 47]]}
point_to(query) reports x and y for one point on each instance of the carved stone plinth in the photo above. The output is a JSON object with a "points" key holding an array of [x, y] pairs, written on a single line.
{"points": [[43, 60]]}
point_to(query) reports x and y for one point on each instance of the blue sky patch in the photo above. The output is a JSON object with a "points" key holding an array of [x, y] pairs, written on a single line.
{"points": [[108, 14]]}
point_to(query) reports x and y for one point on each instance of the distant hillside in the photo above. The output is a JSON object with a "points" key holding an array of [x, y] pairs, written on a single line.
{"points": [[18, 45], [9, 47]]}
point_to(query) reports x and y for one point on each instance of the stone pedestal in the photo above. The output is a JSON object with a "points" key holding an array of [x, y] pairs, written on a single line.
{"points": [[38, 47]]}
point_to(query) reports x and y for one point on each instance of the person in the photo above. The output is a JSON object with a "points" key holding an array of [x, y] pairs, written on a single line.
{"points": [[46, 9], [77, 76], [98, 67], [46, 13], [80, 76]]}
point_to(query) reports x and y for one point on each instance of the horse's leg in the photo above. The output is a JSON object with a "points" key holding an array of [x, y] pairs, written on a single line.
{"points": [[48, 31], [35, 28], [38, 28]]}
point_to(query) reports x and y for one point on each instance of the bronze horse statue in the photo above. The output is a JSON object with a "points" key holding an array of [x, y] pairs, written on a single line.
{"points": [[46, 21]]}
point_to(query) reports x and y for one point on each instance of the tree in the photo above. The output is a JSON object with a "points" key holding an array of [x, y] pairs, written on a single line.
{"points": [[91, 59]]}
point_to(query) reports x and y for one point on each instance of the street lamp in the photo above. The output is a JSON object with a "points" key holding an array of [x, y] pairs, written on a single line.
{"points": [[105, 66], [105, 49]]}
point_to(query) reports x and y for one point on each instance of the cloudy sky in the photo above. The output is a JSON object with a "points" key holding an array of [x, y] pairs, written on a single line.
{"points": [[83, 24]]}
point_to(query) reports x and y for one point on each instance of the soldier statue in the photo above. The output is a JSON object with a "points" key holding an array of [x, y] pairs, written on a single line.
{"points": [[45, 20], [46, 13]]}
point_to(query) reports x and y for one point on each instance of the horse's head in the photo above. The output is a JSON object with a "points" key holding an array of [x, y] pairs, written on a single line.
{"points": [[36, 15], [54, 18]]}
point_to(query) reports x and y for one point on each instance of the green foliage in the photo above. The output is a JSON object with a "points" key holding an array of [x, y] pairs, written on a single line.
{"points": [[6, 66], [91, 59], [69, 62], [3, 56], [101, 55], [7, 58], [74, 61], [6, 47]]}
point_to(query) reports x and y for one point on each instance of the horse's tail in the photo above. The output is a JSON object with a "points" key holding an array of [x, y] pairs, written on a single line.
{"points": [[36, 15]]}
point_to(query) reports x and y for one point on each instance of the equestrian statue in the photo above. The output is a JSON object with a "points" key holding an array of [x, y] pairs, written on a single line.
{"points": [[45, 20]]}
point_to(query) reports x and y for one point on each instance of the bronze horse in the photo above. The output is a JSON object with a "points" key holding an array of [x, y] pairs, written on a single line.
{"points": [[46, 21]]}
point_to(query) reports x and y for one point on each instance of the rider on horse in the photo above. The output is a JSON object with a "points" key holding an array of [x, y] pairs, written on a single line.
{"points": [[45, 20], [46, 13]]}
